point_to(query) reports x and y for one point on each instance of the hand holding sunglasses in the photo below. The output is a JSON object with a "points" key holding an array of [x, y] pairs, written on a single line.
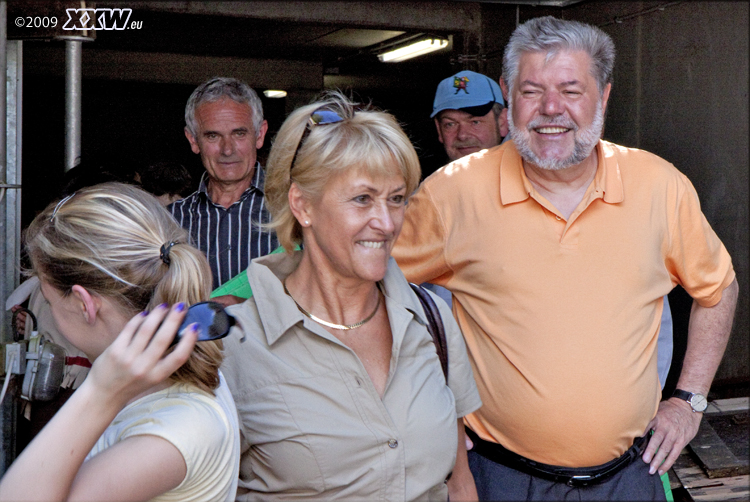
{"points": [[213, 322]]}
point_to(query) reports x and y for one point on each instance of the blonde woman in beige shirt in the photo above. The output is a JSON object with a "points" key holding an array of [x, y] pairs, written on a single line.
{"points": [[339, 389]]}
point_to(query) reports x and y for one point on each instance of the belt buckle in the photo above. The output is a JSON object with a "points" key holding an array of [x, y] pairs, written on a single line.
{"points": [[575, 481]]}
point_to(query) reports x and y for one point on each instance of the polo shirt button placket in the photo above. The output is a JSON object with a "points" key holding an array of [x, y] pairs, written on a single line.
{"points": [[392, 443]]}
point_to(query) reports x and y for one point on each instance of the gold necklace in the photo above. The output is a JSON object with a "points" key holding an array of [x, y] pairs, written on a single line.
{"points": [[343, 327]]}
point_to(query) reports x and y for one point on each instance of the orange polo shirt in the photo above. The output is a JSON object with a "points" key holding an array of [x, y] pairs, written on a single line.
{"points": [[560, 317]]}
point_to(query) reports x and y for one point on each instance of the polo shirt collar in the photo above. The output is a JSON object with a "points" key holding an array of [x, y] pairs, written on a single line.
{"points": [[280, 313], [516, 187], [608, 177]]}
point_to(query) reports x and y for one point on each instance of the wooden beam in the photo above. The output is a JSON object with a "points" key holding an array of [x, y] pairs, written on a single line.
{"points": [[728, 405], [714, 455], [702, 489]]}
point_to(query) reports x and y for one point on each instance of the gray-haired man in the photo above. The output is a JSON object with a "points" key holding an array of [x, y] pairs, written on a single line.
{"points": [[470, 115], [558, 248], [224, 125]]}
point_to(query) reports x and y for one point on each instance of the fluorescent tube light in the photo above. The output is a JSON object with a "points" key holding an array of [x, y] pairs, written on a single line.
{"points": [[270, 93], [413, 50]]}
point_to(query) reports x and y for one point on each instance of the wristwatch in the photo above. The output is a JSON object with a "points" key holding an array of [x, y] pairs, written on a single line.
{"points": [[696, 401]]}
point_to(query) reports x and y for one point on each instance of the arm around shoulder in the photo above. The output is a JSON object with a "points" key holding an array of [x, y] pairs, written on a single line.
{"points": [[420, 248]]}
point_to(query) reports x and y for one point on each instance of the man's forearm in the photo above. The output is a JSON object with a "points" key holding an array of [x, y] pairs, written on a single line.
{"points": [[675, 423], [708, 333]]}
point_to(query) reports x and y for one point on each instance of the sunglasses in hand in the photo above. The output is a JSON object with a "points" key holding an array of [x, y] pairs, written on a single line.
{"points": [[212, 321]]}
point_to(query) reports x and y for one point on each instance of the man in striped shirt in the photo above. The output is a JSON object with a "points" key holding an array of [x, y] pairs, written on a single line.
{"points": [[224, 124]]}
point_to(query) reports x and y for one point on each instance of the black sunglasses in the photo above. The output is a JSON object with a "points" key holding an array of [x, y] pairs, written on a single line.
{"points": [[213, 321], [318, 117]]}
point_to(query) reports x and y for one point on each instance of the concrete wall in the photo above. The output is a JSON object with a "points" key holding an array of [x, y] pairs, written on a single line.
{"points": [[680, 91]]}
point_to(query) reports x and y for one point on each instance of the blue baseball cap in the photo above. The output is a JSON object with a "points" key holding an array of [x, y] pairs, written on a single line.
{"points": [[467, 91]]}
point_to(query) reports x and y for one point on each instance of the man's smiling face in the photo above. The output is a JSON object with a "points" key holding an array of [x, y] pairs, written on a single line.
{"points": [[226, 140], [556, 113]]}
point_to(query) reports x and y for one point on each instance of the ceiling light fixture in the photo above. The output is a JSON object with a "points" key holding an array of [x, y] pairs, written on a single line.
{"points": [[271, 93], [413, 50]]}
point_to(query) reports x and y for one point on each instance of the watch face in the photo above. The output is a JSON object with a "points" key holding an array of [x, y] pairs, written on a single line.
{"points": [[698, 402]]}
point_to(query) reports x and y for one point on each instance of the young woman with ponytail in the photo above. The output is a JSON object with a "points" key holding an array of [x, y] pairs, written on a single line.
{"points": [[150, 422]]}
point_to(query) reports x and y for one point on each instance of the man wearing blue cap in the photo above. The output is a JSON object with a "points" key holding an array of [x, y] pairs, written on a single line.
{"points": [[469, 113]]}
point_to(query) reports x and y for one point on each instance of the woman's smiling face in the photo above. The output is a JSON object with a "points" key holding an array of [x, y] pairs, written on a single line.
{"points": [[356, 221]]}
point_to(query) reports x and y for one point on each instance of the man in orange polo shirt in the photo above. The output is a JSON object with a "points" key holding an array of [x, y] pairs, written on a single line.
{"points": [[472, 116], [558, 248]]}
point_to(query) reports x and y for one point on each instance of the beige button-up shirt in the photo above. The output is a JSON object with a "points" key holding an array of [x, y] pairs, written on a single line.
{"points": [[312, 424]]}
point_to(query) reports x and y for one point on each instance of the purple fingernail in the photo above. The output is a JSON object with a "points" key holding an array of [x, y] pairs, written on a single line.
{"points": [[180, 307], [194, 327], [144, 313], [163, 305]]}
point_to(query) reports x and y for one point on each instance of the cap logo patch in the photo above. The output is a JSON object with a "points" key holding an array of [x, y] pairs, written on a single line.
{"points": [[460, 84]]}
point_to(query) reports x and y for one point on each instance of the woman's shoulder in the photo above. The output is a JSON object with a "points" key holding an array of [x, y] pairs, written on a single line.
{"points": [[173, 406], [182, 414], [202, 426]]}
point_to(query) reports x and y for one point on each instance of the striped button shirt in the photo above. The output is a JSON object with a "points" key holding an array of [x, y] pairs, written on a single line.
{"points": [[230, 238]]}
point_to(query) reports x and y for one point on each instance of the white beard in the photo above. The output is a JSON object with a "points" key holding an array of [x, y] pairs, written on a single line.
{"points": [[585, 139]]}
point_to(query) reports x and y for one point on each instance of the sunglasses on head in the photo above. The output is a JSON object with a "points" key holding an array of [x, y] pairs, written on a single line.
{"points": [[317, 118], [212, 320]]}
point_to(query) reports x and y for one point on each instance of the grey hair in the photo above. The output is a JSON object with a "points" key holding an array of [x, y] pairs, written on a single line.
{"points": [[550, 35], [217, 88]]}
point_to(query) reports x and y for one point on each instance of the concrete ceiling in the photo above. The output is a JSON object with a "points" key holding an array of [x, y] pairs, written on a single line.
{"points": [[328, 32], [281, 44]]}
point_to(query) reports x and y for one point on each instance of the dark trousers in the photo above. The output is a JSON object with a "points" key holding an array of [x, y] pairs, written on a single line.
{"points": [[497, 482]]}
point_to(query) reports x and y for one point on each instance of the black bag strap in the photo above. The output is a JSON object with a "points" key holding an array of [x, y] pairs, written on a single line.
{"points": [[434, 325]]}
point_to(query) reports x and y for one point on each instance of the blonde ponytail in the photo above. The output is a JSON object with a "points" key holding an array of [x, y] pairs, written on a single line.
{"points": [[108, 239]]}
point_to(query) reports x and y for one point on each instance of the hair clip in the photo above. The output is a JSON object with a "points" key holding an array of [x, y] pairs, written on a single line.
{"points": [[164, 252], [59, 205]]}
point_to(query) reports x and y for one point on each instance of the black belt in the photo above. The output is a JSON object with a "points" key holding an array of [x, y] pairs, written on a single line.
{"points": [[571, 476]]}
